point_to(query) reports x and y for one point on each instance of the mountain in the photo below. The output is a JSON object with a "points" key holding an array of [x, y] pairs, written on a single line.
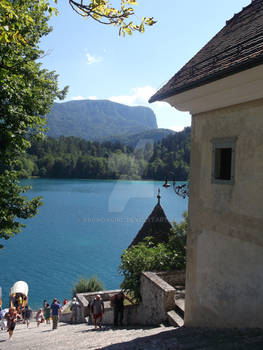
{"points": [[140, 139], [98, 119]]}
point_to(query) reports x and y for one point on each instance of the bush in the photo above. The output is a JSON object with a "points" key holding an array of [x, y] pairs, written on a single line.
{"points": [[146, 256], [84, 285]]}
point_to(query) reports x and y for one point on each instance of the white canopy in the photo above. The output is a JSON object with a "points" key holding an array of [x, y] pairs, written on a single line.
{"points": [[19, 287]]}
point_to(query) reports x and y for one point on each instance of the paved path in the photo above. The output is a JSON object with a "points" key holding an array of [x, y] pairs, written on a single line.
{"points": [[83, 336], [74, 337]]}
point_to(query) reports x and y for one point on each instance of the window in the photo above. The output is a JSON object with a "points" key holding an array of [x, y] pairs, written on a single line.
{"points": [[223, 151]]}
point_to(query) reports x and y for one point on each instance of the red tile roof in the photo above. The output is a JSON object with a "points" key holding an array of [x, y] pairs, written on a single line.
{"points": [[237, 47]]}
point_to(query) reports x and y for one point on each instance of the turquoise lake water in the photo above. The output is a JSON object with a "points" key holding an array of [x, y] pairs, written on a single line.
{"points": [[81, 230]]}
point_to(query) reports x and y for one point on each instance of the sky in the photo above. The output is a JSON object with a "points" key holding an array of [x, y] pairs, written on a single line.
{"points": [[97, 63]]}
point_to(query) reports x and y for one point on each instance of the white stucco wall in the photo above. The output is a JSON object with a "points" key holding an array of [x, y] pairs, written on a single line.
{"points": [[224, 280]]}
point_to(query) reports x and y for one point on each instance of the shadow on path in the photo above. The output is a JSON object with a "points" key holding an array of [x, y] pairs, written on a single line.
{"points": [[196, 338]]}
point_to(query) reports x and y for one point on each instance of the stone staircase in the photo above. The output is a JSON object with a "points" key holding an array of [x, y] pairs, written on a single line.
{"points": [[176, 316]]}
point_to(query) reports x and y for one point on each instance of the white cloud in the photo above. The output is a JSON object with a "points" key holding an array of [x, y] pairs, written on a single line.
{"points": [[77, 98], [92, 98], [177, 127], [83, 98], [137, 96], [169, 117], [92, 59], [140, 96]]}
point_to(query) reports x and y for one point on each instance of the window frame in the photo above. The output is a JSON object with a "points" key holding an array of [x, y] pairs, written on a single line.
{"points": [[219, 143]]}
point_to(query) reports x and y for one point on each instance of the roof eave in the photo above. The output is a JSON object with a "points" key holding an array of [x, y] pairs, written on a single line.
{"points": [[159, 96]]}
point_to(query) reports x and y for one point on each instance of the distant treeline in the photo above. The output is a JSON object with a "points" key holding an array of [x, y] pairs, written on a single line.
{"points": [[72, 157]]}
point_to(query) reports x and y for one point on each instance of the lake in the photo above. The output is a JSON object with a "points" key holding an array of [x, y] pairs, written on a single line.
{"points": [[80, 231]]}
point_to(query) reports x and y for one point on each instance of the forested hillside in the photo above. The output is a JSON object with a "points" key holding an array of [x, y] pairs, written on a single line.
{"points": [[71, 157], [141, 138], [98, 119]]}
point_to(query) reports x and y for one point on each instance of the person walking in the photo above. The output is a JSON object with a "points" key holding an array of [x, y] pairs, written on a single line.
{"points": [[117, 301], [39, 317], [27, 315], [44, 307], [74, 308], [3, 321], [47, 314], [97, 309], [11, 317], [55, 309]]}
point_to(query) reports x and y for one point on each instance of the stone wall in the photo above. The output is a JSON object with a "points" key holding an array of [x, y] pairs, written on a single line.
{"points": [[85, 298], [174, 278], [157, 299]]}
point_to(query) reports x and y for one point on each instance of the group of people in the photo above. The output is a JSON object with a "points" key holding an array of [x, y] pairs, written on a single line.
{"points": [[48, 312], [117, 302], [9, 317]]}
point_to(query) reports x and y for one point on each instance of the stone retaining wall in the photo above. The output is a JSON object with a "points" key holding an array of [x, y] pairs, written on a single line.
{"points": [[174, 278], [85, 298], [157, 299]]}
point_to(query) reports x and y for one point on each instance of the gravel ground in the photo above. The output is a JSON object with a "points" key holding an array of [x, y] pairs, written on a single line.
{"points": [[83, 336], [69, 337]]}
